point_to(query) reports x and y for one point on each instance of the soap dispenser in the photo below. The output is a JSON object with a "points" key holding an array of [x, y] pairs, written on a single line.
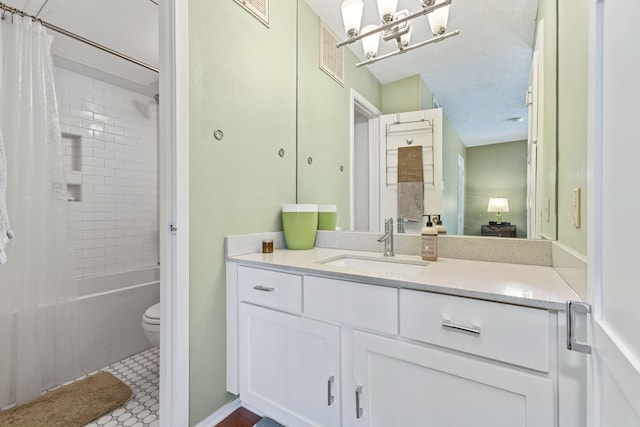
{"points": [[429, 242], [441, 229]]}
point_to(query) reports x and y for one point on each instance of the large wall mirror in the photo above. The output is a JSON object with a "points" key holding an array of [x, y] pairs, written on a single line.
{"points": [[503, 59]]}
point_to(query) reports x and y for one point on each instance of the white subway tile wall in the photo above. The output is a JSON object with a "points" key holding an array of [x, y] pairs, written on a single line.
{"points": [[114, 220]]}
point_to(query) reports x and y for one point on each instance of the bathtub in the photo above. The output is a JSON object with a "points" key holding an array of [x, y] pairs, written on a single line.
{"points": [[110, 310]]}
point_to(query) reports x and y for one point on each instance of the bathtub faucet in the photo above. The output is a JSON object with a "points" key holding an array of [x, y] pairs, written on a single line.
{"points": [[388, 237]]}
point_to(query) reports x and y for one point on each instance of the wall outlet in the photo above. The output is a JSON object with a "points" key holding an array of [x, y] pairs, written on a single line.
{"points": [[576, 207]]}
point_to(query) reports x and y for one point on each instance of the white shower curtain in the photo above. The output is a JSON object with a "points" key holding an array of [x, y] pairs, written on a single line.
{"points": [[37, 288]]}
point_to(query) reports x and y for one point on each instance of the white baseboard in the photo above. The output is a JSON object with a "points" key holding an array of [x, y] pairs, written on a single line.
{"points": [[251, 409], [222, 413]]}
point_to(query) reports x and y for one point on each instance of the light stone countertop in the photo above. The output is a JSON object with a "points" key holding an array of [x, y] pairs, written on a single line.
{"points": [[527, 285]]}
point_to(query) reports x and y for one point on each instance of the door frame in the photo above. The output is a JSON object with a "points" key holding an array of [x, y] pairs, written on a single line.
{"points": [[535, 139], [461, 194], [173, 173], [609, 351], [366, 108]]}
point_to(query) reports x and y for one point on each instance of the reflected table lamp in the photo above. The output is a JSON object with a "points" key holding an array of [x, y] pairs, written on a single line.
{"points": [[498, 205]]}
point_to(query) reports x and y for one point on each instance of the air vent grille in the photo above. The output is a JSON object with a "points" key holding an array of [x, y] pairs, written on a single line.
{"points": [[331, 58], [258, 8]]}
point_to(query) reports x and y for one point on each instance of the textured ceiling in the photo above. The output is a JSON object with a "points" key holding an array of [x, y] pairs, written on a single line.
{"points": [[479, 77]]}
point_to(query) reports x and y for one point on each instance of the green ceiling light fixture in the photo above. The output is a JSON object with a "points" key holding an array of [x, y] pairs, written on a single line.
{"points": [[394, 25], [498, 205]]}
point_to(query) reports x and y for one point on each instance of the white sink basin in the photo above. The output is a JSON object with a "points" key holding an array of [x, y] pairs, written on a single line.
{"points": [[377, 265]]}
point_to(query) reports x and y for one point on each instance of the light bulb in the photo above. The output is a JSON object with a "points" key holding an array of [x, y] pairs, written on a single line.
{"points": [[438, 19], [370, 43], [386, 9], [352, 16], [405, 38]]}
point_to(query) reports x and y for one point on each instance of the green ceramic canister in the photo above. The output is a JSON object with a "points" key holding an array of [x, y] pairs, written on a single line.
{"points": [[300, 224], [327, 215]]}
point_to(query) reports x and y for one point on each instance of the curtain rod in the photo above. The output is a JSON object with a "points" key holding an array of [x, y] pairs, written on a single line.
{"points": [[57, 29]]}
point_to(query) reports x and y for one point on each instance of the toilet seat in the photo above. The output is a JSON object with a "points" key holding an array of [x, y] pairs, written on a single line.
{"points": [[152, 315]]}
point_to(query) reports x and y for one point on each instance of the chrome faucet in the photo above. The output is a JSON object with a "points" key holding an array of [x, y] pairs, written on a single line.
{"points": [[388, 237]]}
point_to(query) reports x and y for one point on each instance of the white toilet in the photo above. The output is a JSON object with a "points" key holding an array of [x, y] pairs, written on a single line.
{"points": [[151, 324]]}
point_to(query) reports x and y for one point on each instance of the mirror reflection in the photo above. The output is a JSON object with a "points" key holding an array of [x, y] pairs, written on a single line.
{"points": [[494, 85]]}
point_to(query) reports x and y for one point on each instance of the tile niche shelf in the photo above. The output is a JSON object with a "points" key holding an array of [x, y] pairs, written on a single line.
{"points": [[72, 155]]}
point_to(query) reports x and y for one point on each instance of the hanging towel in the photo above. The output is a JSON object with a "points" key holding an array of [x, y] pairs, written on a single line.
{"points": [[5, 229], [410, 183]]}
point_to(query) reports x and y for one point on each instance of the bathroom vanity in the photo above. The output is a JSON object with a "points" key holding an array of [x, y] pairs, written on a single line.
{"points": [[337, 337]]}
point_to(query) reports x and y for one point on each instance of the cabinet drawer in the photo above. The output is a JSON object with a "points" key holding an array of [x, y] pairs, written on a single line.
{"points": [[274, 289], [360, 305], [509, 333]]}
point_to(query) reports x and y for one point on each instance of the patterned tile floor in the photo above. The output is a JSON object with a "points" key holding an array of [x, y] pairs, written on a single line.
{"points": [[140, 372]]}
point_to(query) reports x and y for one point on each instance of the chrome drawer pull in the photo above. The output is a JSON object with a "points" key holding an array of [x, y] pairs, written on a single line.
{"points": [[330, 397], [359, 410], [475, 330], [574, 307], [263, 288]]}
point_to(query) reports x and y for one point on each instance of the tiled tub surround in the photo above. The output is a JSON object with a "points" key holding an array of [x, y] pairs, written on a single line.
{"points": [[515, 271], [110, 135]]}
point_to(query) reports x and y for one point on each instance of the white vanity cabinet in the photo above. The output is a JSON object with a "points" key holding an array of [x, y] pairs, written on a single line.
{"points": [[289, 366], [400, 381], [312, 350], [405, 384]]}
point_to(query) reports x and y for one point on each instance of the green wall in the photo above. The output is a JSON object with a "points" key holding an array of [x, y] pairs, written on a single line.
{"points": [[497, 170], [452, 146], [572, 120], [242, 81], [323, 119], [403, 95], [425, 96]]}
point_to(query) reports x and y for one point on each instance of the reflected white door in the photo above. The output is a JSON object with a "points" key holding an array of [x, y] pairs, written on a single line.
{"points": [[535, 158], [461, 192], [364, 170], [411, 128], [614, 204], [360, 195]]}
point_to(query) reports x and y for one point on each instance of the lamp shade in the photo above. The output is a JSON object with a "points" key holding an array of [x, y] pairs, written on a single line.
{"points": [[352, 16], [498, 204], [386, 9], [438, 19], [370, 43]]}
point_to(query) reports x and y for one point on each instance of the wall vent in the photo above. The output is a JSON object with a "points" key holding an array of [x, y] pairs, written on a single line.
{"points": [[331, 58], [258, 8]]}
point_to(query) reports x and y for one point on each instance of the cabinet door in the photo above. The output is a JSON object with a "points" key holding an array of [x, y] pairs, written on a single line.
{"points": [[405, 384], [289, 367]]}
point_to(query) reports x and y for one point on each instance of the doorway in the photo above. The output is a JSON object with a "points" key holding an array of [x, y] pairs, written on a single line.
{"points": [[364, 143], [460, 192]]}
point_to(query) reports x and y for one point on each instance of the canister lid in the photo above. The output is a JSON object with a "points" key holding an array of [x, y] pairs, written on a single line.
{"points": [[300, 208], [327, 208]]}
